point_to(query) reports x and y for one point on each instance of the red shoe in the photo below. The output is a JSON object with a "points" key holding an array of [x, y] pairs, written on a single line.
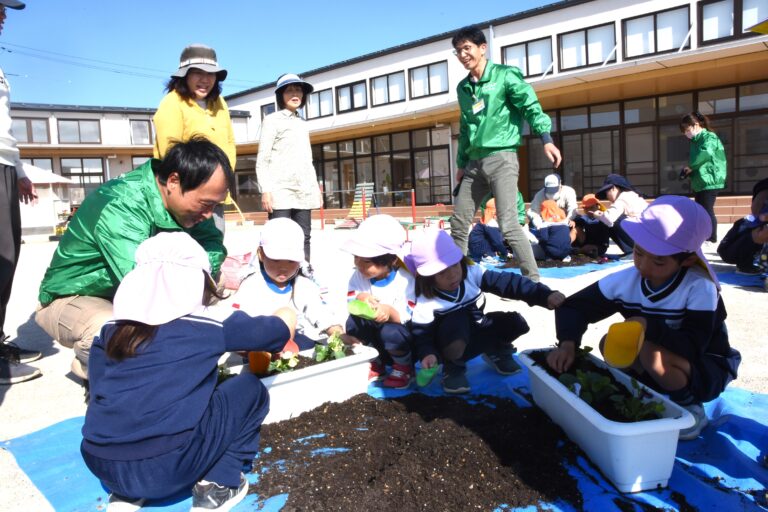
{"points": [[377, 371], [400, 378]]}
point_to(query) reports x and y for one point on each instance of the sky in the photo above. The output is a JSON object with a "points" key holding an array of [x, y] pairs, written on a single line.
{"points": [[121, 53]]}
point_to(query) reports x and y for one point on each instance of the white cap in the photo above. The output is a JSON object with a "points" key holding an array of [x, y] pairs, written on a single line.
{"points": [[375, 236], [282, 239], [167, 282], [551, 185]]}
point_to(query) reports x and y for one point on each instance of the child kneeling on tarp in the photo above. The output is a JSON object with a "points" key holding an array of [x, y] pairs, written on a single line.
{"points": [[157, 423], [381, 280], [674, 294]]}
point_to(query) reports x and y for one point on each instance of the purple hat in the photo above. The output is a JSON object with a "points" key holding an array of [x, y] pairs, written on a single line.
{"points": [[671, 225], [433, 252]]}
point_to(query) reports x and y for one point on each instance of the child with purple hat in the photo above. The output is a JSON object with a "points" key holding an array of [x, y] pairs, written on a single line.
{"points": [[674, 294], [381, 281], [449, 319], [158, 423]]}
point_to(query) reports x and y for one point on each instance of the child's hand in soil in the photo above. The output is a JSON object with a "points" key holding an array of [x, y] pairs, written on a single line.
{"points": [[561, 357], [288, 316], [555, 300], [429, 361]]}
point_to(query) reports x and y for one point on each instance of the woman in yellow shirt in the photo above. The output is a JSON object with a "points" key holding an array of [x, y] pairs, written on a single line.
{"points": [[194, 106]]}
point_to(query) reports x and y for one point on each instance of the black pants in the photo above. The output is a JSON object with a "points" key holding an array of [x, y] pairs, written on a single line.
{"points": [[301, 217], [10, 235], [621, 237], [706, 198]]}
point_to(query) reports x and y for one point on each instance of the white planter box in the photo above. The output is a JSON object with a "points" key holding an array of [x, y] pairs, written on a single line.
{"points": [[633, 456], [298, 391]]}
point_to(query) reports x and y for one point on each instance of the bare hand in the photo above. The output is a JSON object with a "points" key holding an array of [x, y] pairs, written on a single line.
{"points": [[562, 357], [382, 312], [760, 233], [459, 175], [348, 339], [555, 300], [551, 151], [266, 201], [429, 361], [27, 192]]}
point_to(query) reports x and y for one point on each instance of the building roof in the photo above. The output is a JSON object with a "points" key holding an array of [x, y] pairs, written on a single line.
{"points": [[419, 42]]}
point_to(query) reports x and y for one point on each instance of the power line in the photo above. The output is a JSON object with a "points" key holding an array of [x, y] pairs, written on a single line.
{"points": [[100, 65]]}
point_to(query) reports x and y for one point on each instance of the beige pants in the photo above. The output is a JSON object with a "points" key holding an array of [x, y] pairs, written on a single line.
{"points": [[74, 322]]}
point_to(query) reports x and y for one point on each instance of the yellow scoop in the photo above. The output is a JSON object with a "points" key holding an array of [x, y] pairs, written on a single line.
{"points": [[623, 343]]}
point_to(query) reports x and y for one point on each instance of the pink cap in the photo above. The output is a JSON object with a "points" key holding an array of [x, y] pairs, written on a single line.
{"points": [[167, 281], [432, 252], [375, 236], [282, 239], [671, 225]]}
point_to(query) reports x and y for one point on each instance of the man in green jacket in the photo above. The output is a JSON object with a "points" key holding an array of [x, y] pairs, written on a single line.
{"points": [[494, 99], [98, 248]]}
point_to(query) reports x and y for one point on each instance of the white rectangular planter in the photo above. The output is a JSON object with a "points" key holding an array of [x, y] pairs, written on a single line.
{"points": [[294, 392], [633, 456]]}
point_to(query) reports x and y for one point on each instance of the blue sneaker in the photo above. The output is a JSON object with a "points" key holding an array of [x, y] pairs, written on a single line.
{"points": [[455, 379]]}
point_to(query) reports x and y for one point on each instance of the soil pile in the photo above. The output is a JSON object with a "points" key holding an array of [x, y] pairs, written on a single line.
{"points": [[416, 453]]}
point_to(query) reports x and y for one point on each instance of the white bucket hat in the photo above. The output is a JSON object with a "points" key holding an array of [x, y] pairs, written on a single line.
{"points": [[167, 281], [282, 239], [375, 236]]}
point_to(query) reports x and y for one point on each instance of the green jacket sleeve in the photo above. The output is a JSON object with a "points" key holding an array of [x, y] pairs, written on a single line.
{"points": [[521, 96]]}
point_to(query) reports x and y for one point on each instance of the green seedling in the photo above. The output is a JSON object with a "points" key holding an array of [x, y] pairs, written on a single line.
{"points": [[333, 350], [425, 375], [362, 309], [634, 408], [286, 362], [589, 386]]}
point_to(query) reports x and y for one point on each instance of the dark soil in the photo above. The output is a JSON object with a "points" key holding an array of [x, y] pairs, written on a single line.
{"points": [[416, 453], [605, 408]]}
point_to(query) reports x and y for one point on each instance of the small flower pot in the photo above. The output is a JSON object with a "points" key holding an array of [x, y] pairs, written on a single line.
{"points": [[633, 456], [294, 392]]}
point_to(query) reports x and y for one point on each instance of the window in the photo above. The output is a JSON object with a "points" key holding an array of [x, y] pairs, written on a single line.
{"points": [[31, 131], [267, 109], [428, 80], [43, 163], [86, 173], [351, 97], [719, 17], [534, 58], [675, 106], [753, 96], [388, 88], [138, 161], [320, 104], [590, 47], [141, 131], [659, 32], [717, 101], [79, 131], [640, 111]]}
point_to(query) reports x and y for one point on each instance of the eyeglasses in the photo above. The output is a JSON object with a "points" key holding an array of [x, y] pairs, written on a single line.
{"points": [[463, 49]]}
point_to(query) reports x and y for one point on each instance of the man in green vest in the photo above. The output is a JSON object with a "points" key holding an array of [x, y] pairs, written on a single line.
{"points": [[178, 193], [494, 99]]}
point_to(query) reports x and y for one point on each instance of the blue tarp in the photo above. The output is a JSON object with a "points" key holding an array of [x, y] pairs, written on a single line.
{"points": [[723, 470]]}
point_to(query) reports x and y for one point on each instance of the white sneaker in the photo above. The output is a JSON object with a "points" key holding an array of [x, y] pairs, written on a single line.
{"points": [[697, 410], [119, 504], [567, 259]]}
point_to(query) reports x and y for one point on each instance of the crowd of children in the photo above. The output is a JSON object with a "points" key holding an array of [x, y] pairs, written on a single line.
{"points": [[426, 307]]}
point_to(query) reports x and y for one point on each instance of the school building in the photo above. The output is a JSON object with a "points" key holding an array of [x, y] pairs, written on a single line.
{"points": [[615, 77]]}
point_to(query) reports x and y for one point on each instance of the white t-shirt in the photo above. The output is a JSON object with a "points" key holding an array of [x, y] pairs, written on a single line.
{"points": [[396, 290]]}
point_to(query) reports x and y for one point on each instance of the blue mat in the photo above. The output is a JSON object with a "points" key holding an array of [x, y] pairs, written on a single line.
{"points": [[561, 272], [720, 471], [734, 279]]}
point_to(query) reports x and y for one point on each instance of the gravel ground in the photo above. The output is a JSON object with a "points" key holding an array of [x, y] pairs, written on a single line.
{"points": [[57, 395]]}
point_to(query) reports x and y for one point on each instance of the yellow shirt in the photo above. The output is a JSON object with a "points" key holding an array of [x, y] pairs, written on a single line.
{"points": [[179, 119]]}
